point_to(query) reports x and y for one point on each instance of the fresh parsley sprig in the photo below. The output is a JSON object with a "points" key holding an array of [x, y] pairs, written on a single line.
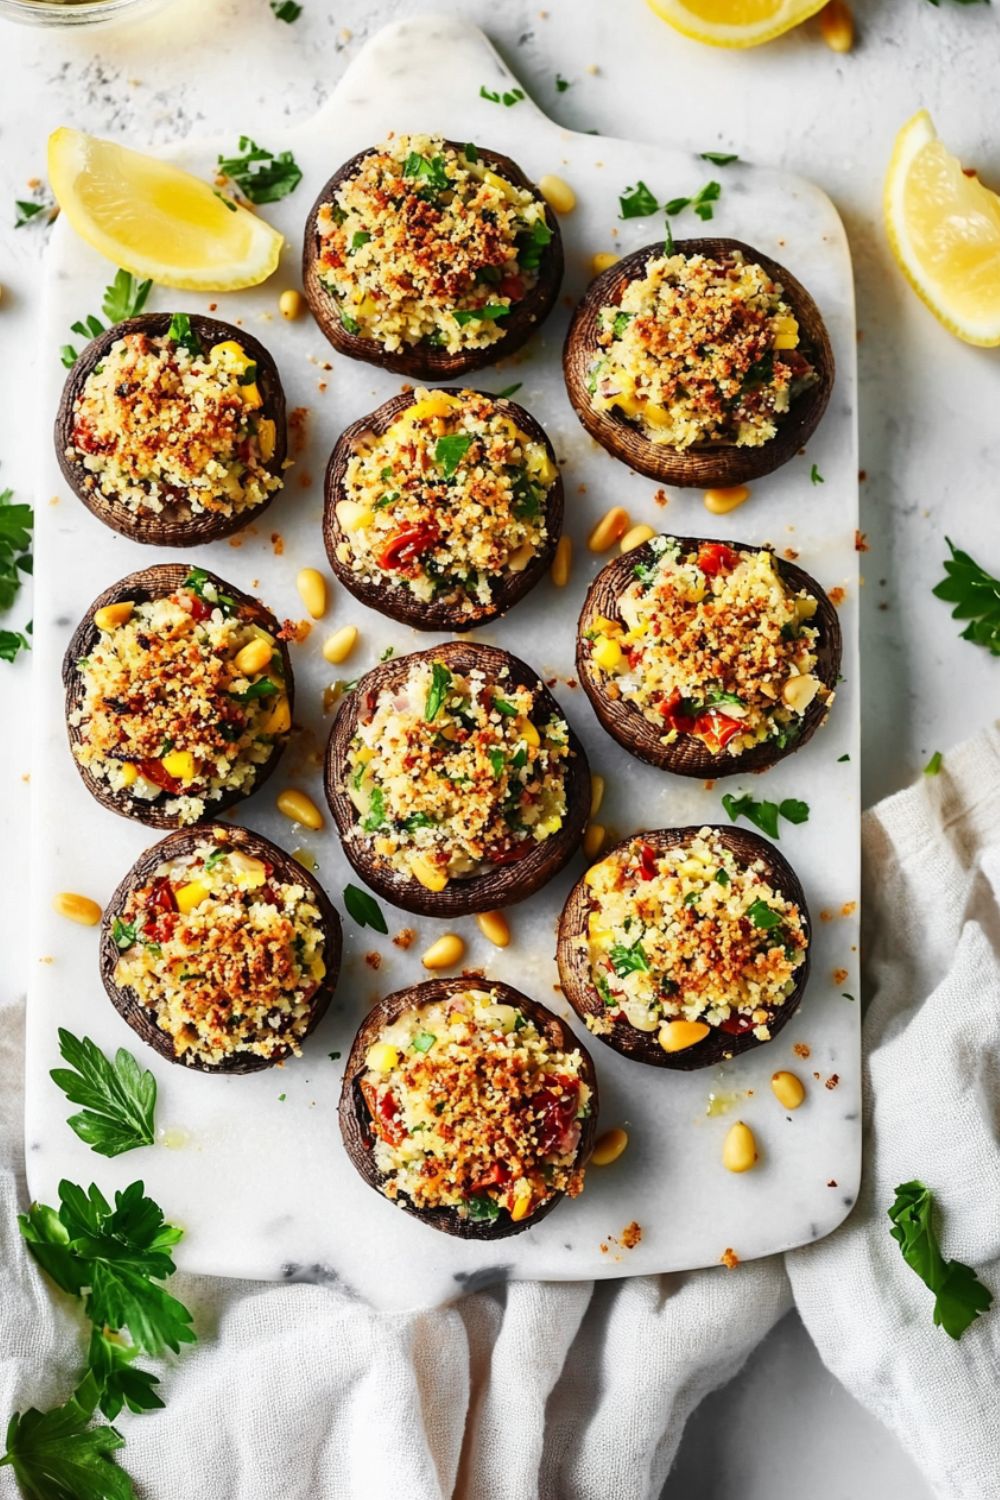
{"points": [[260, 175], [639, 202], [719, 158], [124, 298], [507, 98], [765, 815], [364, 908], [120, 1383], [28, 211], [959, 1297], [286, 10], [976, 597], [16, 522], [119, 1097], [58, 1455]]}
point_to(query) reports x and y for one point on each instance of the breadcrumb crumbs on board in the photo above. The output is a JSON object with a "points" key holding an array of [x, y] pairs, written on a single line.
{"points": [[278, 543], [837, 595], [729, 1258], [404, 938], [839, 976], [801, 1049], [790, 554], [848, 909], [861, 542], [373, 960], [630, 1236], [832, 1081]]}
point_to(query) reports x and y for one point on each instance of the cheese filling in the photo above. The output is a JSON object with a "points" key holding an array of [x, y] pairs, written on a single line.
{"points": [[159, 424], [427, 244], [447, 503], [452, 777], [714, 644], [170, 714], [690, 933], [473, 1108], [700, 351], [226, 954]]}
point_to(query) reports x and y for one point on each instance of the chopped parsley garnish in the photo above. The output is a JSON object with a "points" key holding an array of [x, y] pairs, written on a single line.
{"points": [[482, 1210], [364, 909], [450, 450], [816, 476], [976, 597], [262, 688], [199, 583], [762, 916], [124, 298], [497, 760], [215, 858], [358, 238], [562, 84], [637, 202], [722, 877], [959, 1297], [124, 934], [508, 97], [27, 211], [376, 814], [629, 960], [260, 175], [502, 706], [182, 334], [842, 758], [437, 692], [16, 522], [719, 158], [418, 820], [621, 322], [286, 10], [429, 170], [351, 324], [530, 254], [118, 1097], [701, 202], [765, 815], [933, 766], [471, 154], [423, 1041], [491, 311]]}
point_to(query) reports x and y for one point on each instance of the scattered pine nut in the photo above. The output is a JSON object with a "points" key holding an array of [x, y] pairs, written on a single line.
{"points": [[77, 908], [111, 615], [593, 840], [445, 953], [494, 927], [609, 529], [721, 502], [562, 561], [339, 646], [635, 537], [609, 1147], [558, 194], [603, 261], [788, 1089], [299, 808], [739, 1149], [312, 591], [290, 304], [596, 794], [836, 25]]}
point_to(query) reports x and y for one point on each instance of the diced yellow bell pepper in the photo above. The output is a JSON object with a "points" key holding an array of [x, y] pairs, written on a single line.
{"points": [[354, 516], [607, 654], [786, 332], [191, 895], [266, 436], [540, 465], [231, 355], [529, 733], [129, 773], [502, 186], [180, 764], [279, 720], [382, 1057]]}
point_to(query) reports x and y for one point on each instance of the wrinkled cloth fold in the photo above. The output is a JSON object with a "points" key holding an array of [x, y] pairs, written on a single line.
{"points": [[577, 1391]]}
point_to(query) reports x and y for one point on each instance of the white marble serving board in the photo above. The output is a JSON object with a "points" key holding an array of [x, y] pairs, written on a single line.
{"points": [[253, 1168]]}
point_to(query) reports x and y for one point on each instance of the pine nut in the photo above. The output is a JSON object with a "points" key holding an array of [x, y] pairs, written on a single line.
{"points": [[312, 591], [635, 537], [558, 194], [494, 928], [77, 908], [721, 502], [787, 1088], [300, 809], [562, 562], [609, 1147], [739, 1149], [677, 1036], [254, 657], [593, 840], [445, 953], [836, 24], [603, 261], [608, 529], [339, 646], [596, 794], [290, 304], [113, 614]]}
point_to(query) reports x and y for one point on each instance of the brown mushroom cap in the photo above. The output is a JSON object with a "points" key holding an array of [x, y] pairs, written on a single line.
{"points": [[423, 361], [355, 1118], [573, 956], [710, 464], [178, 526], [395, 599], [175, 846], [507, 883], [155, 583], [687, 756]]}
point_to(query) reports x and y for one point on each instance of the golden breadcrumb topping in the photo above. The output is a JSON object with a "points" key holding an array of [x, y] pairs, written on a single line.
{"points": [[161, 424], [224, 953], [711, 643], [700, 350], [691, 933], [452, 776], [448, 502], [474, 1108], [170, 712], [427, 244]]}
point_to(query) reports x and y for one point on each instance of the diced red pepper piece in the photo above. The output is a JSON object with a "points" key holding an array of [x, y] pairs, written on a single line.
{"points": [[673, 718], [647, 862], [498, 1174], [512, 287], [506, 854], [197, 606], [406, 548], [720, 726], [154, 772], [738, 1025], [558, 1115], [716, 557], [384, 1111]]}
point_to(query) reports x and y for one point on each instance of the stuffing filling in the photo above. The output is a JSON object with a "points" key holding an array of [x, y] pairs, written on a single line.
{"points": [[700, 351], [713, 644], [162, 423], [473, 1108], [690, 934], [451, 777], [225, 954], [183, 700], [427, 244], [447, 503]]}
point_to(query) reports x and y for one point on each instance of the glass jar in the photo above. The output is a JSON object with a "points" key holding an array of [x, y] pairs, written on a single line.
{"points": [[74, 12]]}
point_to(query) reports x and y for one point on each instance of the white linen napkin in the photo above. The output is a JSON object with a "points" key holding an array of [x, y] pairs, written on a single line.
{"points": [[577, 1392]]}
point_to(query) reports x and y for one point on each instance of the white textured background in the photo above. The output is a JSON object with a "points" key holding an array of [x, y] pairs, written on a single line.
{"points": [[930, 438]]}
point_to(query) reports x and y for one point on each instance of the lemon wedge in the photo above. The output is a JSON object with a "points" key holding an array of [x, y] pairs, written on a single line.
{"points": [[944, 229], [155, 220], [735, 23]]}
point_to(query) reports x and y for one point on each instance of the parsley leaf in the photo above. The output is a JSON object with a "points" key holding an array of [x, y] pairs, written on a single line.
{"points": [[118, 1098], [449, 452], [719, 158], [125, 297], [116, 1256], [16, 522], [482, 1209], [260, 175], [508, 97], [376, 815], [976, 597], [364, 908], [530, 254], [562, 84], [28, 211], [428, 169], [57, 1455], [286, 10], [637, 202], [110, 1363], [816, 476], [959, 1297], [491, 311], [933, 766], [502, 706], [183, 336], [763, 917], [764, 815], [437, 692], [629, 960]]}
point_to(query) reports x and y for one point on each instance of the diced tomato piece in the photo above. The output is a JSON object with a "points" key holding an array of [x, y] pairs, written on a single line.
{"points": [[507, 854], [405, 549], [673, 718], [161, 896], [647, 862], [512, 287], [497, 1175], [196, 606], [716, 557], [557, 1125], [720, 726], [384, 1111], [154, 772], [738, 1025]]}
